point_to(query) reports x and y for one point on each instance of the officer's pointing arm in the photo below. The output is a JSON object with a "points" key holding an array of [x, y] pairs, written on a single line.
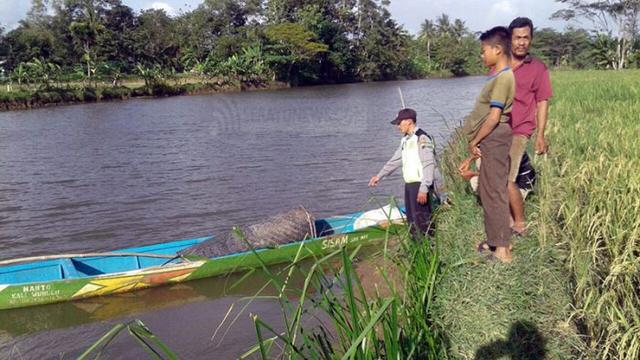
{"points": [[391, 165]]}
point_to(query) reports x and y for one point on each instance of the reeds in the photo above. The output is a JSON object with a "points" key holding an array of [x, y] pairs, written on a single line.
{"points": [[349, 322]]}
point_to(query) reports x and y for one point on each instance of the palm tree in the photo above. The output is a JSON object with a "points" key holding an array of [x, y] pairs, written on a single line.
{"points": [[86, 32], [443, 25], [459, 29], [40, 70], [427, 32]]}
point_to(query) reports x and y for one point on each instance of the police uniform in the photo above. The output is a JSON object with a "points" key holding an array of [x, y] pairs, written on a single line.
{"points": [[416, 157]]}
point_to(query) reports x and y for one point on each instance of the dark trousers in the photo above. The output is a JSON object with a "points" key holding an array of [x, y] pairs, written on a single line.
{"points": [[418, 215], [494, 173]]}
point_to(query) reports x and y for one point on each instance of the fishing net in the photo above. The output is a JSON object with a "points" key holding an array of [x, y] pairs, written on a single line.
{"points": [[294, 225]]}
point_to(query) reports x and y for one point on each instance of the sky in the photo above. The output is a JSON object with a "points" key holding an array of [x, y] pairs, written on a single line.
{"points": [[479, 15]]}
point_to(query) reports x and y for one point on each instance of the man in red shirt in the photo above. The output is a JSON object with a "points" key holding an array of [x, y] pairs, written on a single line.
{"points": [[530, 107]]}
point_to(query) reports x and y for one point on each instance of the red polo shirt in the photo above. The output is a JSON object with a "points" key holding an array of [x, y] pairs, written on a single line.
{"points": [[532, 86]]}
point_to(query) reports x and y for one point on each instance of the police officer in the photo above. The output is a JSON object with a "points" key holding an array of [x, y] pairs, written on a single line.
{"points": [[416, 156]]}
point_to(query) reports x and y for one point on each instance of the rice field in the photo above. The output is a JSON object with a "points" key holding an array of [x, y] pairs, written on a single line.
{"points": [[591, 203]]}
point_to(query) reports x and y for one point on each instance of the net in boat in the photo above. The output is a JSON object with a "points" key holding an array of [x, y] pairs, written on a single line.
{"points": [[293, 225]]}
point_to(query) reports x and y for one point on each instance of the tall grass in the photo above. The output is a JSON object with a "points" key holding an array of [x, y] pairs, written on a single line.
{"points": [[492, 310], [592, 193], [358, 324]]}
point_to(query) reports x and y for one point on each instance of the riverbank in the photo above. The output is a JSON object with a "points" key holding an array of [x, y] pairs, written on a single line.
{"points": [[572, 289], [28, 97], [25, 97]]}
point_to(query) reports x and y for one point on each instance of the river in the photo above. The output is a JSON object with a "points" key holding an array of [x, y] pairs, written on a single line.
{"points": [[103, 176]]}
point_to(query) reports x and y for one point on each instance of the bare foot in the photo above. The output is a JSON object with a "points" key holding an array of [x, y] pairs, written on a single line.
{"points": [[484, 246], [503, 253], [519, 228]]}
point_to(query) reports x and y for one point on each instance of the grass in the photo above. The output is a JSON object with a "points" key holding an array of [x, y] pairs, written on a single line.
{"points": [[155, 348], [333, 314], [491, 310]]}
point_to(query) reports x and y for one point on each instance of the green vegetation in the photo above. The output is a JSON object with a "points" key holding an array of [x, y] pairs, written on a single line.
{"points": [[388, 317], [609, 17], [290, 41], [91, 50], [591, 203], [238, 44], [489, 310]]}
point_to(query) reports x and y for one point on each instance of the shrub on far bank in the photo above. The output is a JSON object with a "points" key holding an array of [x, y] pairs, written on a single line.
{"points": [[26, 97], [15, 95], [116, 93], [163, 89]]}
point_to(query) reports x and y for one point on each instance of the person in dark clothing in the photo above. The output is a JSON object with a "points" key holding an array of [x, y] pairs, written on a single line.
{"points": [[526, 178]]}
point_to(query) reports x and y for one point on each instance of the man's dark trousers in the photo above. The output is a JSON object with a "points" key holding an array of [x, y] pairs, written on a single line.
{"points": [[418, 215]]}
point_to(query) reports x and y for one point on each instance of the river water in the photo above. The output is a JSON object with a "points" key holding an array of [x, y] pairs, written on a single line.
{"points": [[97, 177]]}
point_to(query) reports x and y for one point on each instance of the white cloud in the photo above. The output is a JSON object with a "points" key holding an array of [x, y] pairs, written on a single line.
{"points": [[11, 12], [164, 6], [479, 15], [503, 8]]}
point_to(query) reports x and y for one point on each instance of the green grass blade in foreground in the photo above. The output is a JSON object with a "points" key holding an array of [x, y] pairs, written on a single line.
{"points": [[143, 335], [367, 329], [140, 332], [350, 296], [102, 343]]}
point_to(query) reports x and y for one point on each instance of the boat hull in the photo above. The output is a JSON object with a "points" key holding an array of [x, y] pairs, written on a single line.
{"points": [[38, 293]]}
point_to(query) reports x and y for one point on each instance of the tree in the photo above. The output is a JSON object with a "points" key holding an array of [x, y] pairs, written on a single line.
{"points": [[616, 18], [85, 29], [290, 45], [115, 43], [381, 45], [443, 25], [155, 40], [153, 76], [20, 74], [32, 38], [448, 46], [571, 48], [426, 35], [4, 51], [43, 72], [604, 52], [221, 26]]}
